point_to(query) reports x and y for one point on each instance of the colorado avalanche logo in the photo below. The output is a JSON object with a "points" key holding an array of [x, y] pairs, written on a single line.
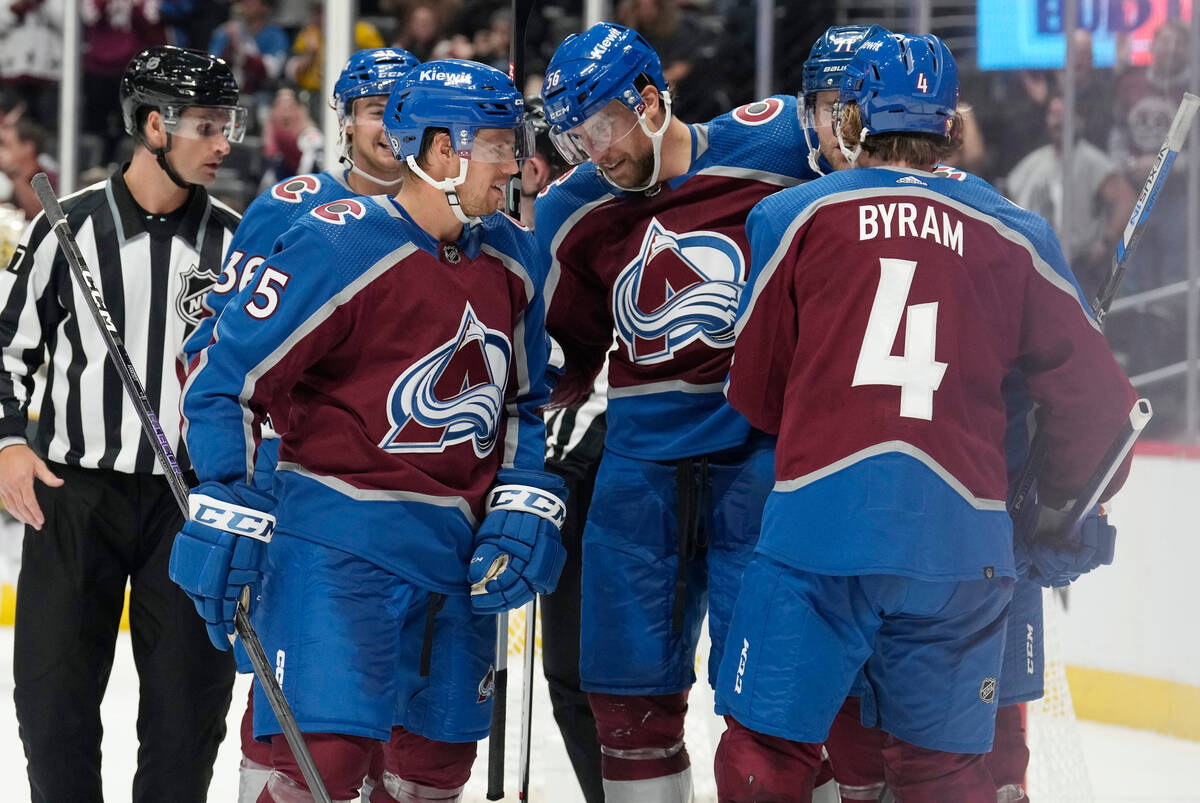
{"points": [[339, 211], [680, 288], [452, 395], [295, 188], [760, 112]]}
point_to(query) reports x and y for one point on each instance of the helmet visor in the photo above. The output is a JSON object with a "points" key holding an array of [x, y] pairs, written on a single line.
{"points": [[596, 134], [816, 110], [503, 144], [205, 122]]}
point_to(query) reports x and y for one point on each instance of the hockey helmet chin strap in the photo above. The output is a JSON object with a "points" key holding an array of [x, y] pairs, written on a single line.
{"points": [[656, 138], [160, 155], [852, 154], [448, 186], [347, 160], [816, 160]]}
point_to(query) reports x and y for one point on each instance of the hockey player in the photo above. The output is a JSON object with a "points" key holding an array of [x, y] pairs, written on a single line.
{"points": [[368, 168], [646, 241], [99, 514], [886, 547], [408, 332]]}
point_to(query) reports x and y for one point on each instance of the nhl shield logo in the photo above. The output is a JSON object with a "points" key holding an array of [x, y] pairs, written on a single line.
{"points": [[194, 286], [987, 690]]}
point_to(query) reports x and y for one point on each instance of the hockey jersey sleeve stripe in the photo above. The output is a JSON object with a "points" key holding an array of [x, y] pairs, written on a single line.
{"points": [[676, 385], [346, 489], [763, 278], [783, 486], [766, 177], [24, 285]]}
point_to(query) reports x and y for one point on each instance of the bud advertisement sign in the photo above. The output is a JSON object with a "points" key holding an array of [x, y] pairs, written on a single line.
{"points": [[1028, 34]]}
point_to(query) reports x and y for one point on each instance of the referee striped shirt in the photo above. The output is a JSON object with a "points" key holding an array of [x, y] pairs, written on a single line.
{"points": [[153, 279]]}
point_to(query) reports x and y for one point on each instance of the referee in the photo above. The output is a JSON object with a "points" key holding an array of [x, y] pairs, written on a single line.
{"points": [[102, 513]]}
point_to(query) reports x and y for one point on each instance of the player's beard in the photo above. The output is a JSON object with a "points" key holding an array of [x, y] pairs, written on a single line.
{"points": [[642, 168]]}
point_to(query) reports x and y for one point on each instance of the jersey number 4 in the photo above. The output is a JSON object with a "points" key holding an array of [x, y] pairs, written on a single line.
{"points": [[916, 373]]}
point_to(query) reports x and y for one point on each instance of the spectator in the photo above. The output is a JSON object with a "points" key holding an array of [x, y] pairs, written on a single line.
{"points": [[190, 23], [1102, 197], [420, 29], [1094, 97], [31, 54], [292, 143], [1147, 98], [683, 44], [21, 145], [252, 46], [491, 44], [114, 31], [308, 51]]}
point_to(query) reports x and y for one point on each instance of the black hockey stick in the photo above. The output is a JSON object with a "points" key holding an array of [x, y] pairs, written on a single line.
{"points": [[1176, 137], [166, 458]]}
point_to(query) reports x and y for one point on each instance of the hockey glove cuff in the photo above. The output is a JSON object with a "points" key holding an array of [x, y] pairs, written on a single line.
{"points": [[1057, 559], [220, 551], [518, 549]]}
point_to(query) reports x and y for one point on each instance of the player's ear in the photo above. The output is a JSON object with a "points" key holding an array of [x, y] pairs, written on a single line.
{"points": [[153, 130], [652, 99], [443, 149]]}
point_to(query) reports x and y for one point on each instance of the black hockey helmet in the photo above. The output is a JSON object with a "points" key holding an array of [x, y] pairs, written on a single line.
{"points": [[165, 77]]}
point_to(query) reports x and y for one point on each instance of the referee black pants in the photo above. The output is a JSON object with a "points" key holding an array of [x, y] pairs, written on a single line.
{"points": [[102, 529], [560, 636]]}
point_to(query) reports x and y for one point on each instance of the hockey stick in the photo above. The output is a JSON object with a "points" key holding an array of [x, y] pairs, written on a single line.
{"points": [[495, 787], [527, 700], [166, 458], [1176, 136], [521, 9]]}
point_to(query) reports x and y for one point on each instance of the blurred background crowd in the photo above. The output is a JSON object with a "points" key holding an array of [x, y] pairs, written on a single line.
{"points": [[708, 49]]}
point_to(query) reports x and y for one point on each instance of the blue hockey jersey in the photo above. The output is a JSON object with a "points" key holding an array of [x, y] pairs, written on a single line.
{"points": [[663, 270], [415, 371], [271, 214]]}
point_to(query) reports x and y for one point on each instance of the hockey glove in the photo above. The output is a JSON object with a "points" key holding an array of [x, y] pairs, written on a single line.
{"points": [[1057, 559], [219, 552], [518, 550]]}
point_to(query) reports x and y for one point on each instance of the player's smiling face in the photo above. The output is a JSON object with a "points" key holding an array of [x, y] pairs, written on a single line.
{"points": [[368, 141], [493, 162], [616, 143]]}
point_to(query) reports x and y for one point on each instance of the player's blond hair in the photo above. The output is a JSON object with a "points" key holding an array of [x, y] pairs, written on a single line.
{"points": [[911, 148]]}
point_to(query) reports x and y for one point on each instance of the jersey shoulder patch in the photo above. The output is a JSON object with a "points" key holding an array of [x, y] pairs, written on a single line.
{"points": [[292, 190], [338, 212], [760, 112]]}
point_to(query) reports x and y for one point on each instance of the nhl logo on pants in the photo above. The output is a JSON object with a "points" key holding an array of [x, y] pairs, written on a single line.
{"points": [[987, 690]]}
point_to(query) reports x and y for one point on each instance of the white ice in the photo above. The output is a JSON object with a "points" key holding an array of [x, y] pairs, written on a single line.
{"points": [[1125, 765]]}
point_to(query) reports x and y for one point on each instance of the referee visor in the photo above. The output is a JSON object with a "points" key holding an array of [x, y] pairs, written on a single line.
{"points": [[204, 122]]}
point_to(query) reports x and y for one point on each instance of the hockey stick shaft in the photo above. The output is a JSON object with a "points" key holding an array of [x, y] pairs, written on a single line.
{"points": [[1174, 142], [495, 778], [1155, 180], [1139, 416], [531, 611], [166, 458]]}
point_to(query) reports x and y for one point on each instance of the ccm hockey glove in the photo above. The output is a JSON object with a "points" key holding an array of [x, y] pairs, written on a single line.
{"points": [[219, 552], [518, 549], [1057, 559]]}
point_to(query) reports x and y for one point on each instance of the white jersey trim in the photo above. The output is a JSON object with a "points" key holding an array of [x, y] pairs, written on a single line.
{"points": [[892, 447]]}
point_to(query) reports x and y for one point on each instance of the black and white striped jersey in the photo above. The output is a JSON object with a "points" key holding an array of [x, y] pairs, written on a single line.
{"points": [[575, 434], [153, 272]]}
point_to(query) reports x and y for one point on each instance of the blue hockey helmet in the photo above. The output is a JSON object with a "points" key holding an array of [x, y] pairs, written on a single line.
{"points": [[461, 96], [903, 82], [372, 71], [831, 53], [594, 67]]}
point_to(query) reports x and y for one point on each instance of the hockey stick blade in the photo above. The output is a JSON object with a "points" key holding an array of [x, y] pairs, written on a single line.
{"points": [[1155, 180], [166, 458]]}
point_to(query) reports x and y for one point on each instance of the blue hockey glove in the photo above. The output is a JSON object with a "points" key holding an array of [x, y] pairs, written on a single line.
{"points": [[1057, 559], [219, 552], [518, 550]]}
